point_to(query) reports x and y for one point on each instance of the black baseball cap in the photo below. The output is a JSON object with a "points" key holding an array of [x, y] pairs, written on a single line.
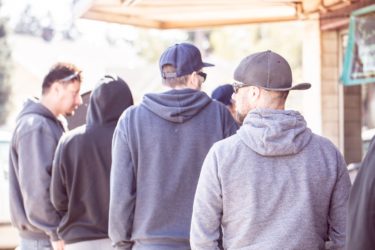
{"points": [[268, 70]]}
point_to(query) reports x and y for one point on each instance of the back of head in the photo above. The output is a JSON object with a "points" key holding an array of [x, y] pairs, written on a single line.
{"points": [[223, 94], [108, 100], [63, 73], [178, 61]]}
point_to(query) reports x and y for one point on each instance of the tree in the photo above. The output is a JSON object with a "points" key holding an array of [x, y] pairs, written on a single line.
{"points": [[5, 65]]}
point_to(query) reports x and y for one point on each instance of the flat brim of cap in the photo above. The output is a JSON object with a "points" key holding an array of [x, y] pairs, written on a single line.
{"points": [[299, 86], [207, 64]]}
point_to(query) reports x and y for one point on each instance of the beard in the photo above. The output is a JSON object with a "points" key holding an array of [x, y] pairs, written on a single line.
{"points": [[70, 113], [240, 117]]}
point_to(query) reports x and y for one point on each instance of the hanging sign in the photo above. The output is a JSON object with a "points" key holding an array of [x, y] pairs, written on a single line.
{"points": [[359, 60]]}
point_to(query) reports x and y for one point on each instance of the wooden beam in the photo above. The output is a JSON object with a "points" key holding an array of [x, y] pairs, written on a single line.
{"points": [[121, 19], [335, 24], [182, 3], [188, 24], [340, 18], [219, 22]]}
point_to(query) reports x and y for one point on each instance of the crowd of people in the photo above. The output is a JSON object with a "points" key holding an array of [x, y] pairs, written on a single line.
{"points": [[181, 169]]}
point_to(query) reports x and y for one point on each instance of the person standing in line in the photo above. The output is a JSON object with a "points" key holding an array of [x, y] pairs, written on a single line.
{"points": [[223, 94], [361, 220], [38, 129], [81, 169], [157, 154], [275, 184]]}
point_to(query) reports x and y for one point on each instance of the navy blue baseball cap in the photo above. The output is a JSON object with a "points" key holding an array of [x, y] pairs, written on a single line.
{"points": [[223, 94], [185, 57]]}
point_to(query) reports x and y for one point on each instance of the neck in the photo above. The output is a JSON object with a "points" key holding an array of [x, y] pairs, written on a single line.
{"points": [[186, 86], [271, 100], [49, 104], [181, 87]]}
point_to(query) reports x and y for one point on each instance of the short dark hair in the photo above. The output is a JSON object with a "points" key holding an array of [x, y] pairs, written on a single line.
{"points": [[64, 72]]}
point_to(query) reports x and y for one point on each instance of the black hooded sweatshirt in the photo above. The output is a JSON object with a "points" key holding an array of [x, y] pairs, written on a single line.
{"points": [[361, 214], [81, 168]]}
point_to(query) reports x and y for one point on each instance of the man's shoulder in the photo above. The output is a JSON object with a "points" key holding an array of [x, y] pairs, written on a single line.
{"points": [[35, 123], [218, 106], [227, 144], [132, 116], [134, 110], [323, 142], [75, 134]]}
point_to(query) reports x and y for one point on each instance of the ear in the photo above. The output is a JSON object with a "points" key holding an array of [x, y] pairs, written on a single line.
{"points": [[254, 92], [191, 77], [257, 92], [56, 88], [194, 80]]}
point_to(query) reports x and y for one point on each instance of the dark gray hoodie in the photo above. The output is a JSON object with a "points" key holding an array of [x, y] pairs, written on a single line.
{"points": [[158, 151], [273, 185], [30, 163], [80, 176]]}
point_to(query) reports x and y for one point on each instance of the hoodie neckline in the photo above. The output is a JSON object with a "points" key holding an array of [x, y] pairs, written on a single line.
{"points": [[176, 105], [275, 132]]}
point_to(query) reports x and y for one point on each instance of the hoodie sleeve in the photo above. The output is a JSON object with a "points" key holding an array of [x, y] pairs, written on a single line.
{"points": [[122, 192], [59, 196], [338, 207], [207, 208], [37, 151]]}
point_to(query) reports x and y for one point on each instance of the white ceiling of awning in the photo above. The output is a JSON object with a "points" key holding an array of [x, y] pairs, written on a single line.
{"points": [[169, 14]]}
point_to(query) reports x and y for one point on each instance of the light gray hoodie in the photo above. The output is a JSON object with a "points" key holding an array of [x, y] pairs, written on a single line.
{"points": [[157, 154], [273, 185]]}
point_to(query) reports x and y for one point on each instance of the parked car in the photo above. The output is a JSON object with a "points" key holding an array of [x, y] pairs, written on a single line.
{"points": [[5, 137]]}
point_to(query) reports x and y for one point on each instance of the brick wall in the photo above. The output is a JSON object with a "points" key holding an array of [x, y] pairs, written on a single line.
{"points": [[341, 106]]}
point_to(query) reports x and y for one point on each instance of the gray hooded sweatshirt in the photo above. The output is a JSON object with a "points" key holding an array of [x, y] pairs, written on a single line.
{"points": [[32, 149], [273, 185], [157, 153]]}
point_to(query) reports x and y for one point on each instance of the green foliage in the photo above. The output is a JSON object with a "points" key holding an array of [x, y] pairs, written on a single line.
{"points": [[5, 88]]}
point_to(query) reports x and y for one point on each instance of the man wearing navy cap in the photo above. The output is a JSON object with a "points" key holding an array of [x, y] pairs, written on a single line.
{"points": [[223, 94], [157, 152], [274, 184]]}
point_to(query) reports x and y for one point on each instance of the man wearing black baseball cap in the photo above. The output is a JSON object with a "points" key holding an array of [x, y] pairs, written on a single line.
{"points": [[275, 184], [158, 150]]}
